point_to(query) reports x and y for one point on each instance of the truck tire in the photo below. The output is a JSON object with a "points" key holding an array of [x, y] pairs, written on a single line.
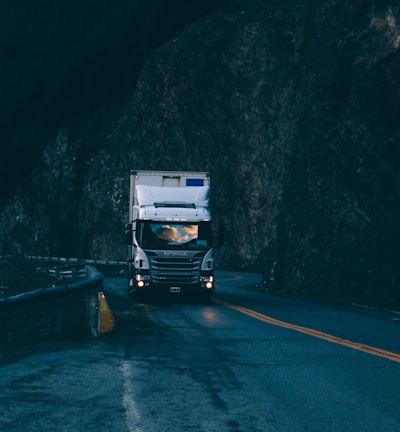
{"points": [[205, 298], [139, 296]]}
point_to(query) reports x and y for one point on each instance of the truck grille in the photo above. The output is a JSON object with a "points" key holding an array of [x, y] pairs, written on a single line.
{"points": [[175, 270]]}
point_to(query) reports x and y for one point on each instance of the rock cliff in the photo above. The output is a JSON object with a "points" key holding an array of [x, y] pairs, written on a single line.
{"points": [[294, 109]]}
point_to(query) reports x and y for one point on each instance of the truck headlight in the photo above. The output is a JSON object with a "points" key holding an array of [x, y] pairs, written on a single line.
{"points": [[141, 279], [208, 281]]}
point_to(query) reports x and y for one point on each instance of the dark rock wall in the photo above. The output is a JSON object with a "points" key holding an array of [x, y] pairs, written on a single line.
{"points": [[293, 107]]}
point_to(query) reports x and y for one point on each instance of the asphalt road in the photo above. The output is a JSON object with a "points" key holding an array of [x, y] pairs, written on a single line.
{"points": [[246, 362]]}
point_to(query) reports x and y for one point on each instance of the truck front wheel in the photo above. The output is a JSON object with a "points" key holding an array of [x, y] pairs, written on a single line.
{"points": [[205, 298]]}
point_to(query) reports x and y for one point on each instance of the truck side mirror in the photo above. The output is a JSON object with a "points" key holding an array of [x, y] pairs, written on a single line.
{"points": [[128, 234]]}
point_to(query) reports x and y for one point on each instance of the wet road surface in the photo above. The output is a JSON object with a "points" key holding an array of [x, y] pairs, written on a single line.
{"points": [[179, 366]]}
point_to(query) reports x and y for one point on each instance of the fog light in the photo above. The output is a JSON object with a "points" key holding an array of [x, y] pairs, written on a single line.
{"points": [[209, 285], [140, 284]]}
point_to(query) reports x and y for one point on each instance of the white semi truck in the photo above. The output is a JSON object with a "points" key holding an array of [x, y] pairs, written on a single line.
{"points": [[169, 235]]}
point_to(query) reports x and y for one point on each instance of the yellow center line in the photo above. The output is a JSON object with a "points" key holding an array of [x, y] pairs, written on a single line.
{"points": [[311, 332], [229, 277]]}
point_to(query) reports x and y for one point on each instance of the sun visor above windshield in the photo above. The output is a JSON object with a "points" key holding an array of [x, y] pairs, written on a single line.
{"points": [[194, 197]]}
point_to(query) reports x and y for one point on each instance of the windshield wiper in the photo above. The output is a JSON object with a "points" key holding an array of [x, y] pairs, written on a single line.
{"points": [[168, 204]]}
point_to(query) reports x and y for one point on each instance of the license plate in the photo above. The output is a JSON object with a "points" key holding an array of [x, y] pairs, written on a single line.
{"points": [[174, 289]]}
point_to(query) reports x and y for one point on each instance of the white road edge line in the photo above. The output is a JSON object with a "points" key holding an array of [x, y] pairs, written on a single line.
{"points": [[132, 413]]}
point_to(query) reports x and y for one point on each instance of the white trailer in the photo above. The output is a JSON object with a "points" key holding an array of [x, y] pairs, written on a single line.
{"points": [[169, 235]]}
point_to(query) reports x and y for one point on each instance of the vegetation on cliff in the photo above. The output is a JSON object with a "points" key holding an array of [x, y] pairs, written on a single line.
{"points": [[293, 108]]}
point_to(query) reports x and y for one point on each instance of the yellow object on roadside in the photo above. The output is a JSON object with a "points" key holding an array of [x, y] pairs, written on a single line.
{"points": [[107, 321]]}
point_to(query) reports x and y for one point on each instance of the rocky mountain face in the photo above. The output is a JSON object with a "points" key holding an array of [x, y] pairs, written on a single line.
{"points": [[293, 107]]}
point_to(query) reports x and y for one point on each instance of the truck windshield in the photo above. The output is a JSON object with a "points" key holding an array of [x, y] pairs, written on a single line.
{"points": [[169, 235]]}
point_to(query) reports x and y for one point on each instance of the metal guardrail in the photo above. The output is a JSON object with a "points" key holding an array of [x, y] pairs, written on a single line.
{"points": [[74, 260], [68, 283], [109, 267]]}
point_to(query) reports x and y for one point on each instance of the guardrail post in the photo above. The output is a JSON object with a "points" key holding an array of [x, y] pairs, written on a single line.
{"points": [[58, 319], [3, 335], [56, 275], [74, 274], [92, 312]]}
